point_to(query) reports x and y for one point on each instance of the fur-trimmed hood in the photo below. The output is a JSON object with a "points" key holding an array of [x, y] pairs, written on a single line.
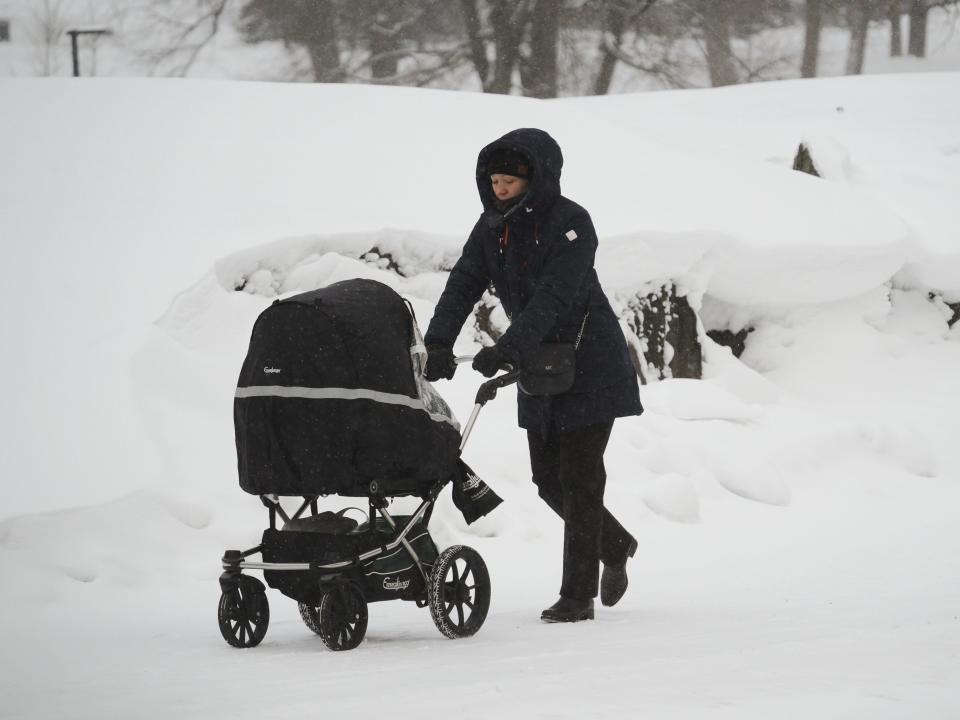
{"points": [[546, 160]]}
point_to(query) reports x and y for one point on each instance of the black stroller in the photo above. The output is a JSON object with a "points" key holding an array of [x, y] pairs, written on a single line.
{"points": [[331, 400]]}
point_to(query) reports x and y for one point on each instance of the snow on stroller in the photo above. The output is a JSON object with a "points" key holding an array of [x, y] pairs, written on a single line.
{"points": [[331, 400]]}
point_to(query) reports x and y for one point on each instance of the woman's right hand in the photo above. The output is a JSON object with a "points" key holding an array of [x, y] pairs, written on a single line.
{"points": [[489, 361]]}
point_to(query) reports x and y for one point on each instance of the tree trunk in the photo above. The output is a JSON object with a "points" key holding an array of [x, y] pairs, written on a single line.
{"points": [[612, 35], [896, 36], [539, 74], [667, 330], [320, 39], [478, 49], [811, 43], [716, 30], [918, 28], [683, 336], [858, 19], [507, 19], [385, 42]]}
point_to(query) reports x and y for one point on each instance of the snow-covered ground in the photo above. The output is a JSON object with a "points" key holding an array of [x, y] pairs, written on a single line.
{"points": [[795, 509]]}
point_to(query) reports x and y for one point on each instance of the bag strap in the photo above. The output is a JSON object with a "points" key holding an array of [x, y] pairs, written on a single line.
{"points": [[584, 323], [341, 513], [582, 326]]}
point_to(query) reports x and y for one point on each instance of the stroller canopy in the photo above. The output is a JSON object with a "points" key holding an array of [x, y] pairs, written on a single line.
{"points": [[331, 396]]}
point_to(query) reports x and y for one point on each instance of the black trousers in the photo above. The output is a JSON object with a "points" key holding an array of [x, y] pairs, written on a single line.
{"points": [[569, 474]]}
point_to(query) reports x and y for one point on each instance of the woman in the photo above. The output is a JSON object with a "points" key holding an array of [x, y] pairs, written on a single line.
{"points": [[536, 248]]}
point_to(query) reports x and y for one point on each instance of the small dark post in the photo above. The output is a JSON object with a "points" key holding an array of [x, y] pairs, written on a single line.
{"points": [[96, 32], [76, 55], [803, 161]]}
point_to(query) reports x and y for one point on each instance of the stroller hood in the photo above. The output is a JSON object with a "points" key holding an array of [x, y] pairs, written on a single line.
{"points": [[331, 397]]}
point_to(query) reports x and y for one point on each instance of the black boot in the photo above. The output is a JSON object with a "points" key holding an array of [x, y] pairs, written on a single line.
{"points": [[613, 581], [568, 610]]}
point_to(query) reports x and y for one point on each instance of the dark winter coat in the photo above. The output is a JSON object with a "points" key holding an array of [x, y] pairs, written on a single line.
{"points": [[539, 258]]}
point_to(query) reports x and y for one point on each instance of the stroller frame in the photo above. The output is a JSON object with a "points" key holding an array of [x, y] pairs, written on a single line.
{"points": [[235, 562], [340, 617]]}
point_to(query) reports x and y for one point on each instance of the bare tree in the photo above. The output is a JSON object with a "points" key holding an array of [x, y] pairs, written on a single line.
{"points": [[716, 33], [508, 21], [386, 35], [169, 35], [402, 42], [611, 38], [648, 36], [311, 24], [538, 73], [813, 17], [918, 11], [858, 19], [509, 27], [539, 47], [476, 39], [894, 8], [917, 43], [618, 16], [46, 27]]}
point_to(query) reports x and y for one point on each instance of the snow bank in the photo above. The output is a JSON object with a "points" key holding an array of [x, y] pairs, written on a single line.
{"points": [[278, 174], [889, 139], [170, 176]]}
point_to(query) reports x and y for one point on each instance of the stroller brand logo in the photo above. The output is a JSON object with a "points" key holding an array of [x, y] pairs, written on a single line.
{"points": [[271, 371], [473, 482], [397, 584]]}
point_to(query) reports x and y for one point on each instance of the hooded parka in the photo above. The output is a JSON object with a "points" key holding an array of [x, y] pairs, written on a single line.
{"points": [[538, 255]]}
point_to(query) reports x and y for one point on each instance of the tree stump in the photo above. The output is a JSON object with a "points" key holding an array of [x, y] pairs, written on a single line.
{"points": [[803, 161], [956, 314], [668, 332]]}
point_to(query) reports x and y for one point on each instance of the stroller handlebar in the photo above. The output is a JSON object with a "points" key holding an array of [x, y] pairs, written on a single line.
{"points": [[486, 393], [462, 359], [488, 390]]}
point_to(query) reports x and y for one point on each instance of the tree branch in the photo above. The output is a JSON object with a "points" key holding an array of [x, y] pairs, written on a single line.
{"points": [[211, 16], [663, 71]]}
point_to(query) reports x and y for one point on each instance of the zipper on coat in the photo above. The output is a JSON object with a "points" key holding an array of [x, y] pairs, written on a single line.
{"points": [[503, 241]]}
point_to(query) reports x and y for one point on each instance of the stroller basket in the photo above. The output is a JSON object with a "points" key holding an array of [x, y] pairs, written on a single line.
{"points": [[386, 569]]}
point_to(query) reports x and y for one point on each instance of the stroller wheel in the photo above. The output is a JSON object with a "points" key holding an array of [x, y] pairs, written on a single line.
{"points": [[244, 613], [459, 591], [341, 619], [310, 616]]}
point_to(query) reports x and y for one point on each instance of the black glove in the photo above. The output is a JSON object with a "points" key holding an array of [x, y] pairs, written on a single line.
{"points": [[488, 361], [440, 363]]}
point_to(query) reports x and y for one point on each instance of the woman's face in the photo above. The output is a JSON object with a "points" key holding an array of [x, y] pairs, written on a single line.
{"points": [[507, 187]]}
